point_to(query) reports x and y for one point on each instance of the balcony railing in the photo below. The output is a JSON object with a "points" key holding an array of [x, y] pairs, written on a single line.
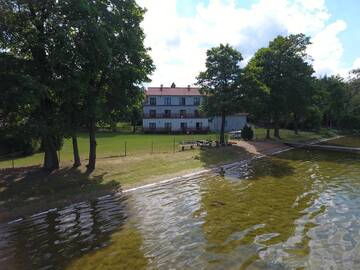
{"points": [[182, 130], [173, 115]]}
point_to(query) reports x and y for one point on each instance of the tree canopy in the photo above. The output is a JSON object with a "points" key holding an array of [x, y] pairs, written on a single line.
{"points": [[285, 74], [220, 83], [71, 63]]}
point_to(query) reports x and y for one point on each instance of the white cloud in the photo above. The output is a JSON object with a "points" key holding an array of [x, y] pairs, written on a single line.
{"points": [[179, 43], [327, 49], [356, 64]]}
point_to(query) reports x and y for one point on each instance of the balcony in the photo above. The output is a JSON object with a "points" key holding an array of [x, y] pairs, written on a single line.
{"points": [[181, 130], [173, 116]]}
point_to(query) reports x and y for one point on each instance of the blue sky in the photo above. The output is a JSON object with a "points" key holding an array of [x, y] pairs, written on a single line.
{"points": [[349, 11], [180, 31]]}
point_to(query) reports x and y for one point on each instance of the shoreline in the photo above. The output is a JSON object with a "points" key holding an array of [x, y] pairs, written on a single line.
{"points": [[275, 149]]}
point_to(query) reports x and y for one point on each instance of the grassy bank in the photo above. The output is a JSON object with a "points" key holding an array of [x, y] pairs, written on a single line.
{"points": [[27, 190], [117, 145], [113, 145], [289, 135]]}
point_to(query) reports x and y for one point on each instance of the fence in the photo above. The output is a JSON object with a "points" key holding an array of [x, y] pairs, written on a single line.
{"points": [[110, 148]]}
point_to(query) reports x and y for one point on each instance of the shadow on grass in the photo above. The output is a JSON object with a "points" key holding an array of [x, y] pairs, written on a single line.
{"points": [[31, 189]]}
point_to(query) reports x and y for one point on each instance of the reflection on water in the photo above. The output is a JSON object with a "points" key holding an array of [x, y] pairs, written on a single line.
{"points": [[294, 211]]}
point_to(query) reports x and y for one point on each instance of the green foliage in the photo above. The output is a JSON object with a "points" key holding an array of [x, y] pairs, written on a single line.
{"points": [[247, 133], [313, 118], [65, 64], [284, 78], [221, 83]]}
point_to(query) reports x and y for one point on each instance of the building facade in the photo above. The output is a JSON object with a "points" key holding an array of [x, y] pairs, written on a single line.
{"points": [[176, 109]]}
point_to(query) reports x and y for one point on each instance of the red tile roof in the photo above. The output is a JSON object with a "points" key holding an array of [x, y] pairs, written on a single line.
{"points": [[177, 91]]}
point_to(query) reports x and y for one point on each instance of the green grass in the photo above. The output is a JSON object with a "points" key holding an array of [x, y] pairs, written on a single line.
{"points": [[25, 191], [113, 144], [289, 135], [29, 189]]}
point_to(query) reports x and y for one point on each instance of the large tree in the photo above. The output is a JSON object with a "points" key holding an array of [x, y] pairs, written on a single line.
{"points": [[32, 33], [87, 61], [284, 69], [220, 83], [112, 59]]}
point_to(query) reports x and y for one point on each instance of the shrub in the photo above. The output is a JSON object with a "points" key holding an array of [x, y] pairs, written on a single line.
{"points": [[247, 133]]}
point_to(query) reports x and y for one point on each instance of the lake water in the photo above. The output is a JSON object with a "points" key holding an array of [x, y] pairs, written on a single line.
{"points": [[296, 210]]}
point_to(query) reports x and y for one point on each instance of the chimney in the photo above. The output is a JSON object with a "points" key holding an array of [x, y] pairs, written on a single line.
{"points": [[188, 87], [161, 87]]}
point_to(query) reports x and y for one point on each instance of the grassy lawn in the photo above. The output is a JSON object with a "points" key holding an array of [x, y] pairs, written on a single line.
{"points": [[113, 144], [289, 135], [27, 189]]}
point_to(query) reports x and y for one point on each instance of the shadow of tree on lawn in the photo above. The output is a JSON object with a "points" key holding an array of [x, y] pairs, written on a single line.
{"points": [[31, 189]]}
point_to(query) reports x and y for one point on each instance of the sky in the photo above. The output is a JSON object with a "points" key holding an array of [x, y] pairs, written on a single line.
{"points": [[179, 32]]}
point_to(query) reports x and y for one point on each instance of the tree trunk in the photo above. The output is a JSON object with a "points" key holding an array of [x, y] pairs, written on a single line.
{"points": [[134, 128], [77, 162], [51, 161], [92, 141], [276, 128], [296, 124], [267, 133], [222, 131]]}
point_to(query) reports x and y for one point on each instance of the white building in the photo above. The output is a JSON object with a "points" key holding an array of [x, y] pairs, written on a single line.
{"points": [[176, 109]]}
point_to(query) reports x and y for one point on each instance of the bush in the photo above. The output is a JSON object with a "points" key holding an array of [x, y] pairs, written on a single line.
{"points": [[247, 133], [26, 146]]}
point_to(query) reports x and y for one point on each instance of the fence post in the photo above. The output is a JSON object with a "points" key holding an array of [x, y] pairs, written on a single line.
{"points": [[174, 146], [125, 148]]}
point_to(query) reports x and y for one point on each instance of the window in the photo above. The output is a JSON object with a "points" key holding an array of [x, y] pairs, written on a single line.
{"points": [[152, 125], [153, 101], [182, 113], [183, 126], [167, 101], [196, 101], [168, 126], [182, 101], [153, 113], [167, 113]]}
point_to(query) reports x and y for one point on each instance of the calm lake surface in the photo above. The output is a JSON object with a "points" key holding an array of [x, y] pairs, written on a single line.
{"points": [[296, 210]]}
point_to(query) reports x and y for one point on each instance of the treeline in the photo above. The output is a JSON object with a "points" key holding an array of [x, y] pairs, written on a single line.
{"points": [[278, 87], [68, 64]]}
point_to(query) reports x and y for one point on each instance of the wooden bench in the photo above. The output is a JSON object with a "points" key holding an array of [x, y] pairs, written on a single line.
{"points": [[187, 144]]}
